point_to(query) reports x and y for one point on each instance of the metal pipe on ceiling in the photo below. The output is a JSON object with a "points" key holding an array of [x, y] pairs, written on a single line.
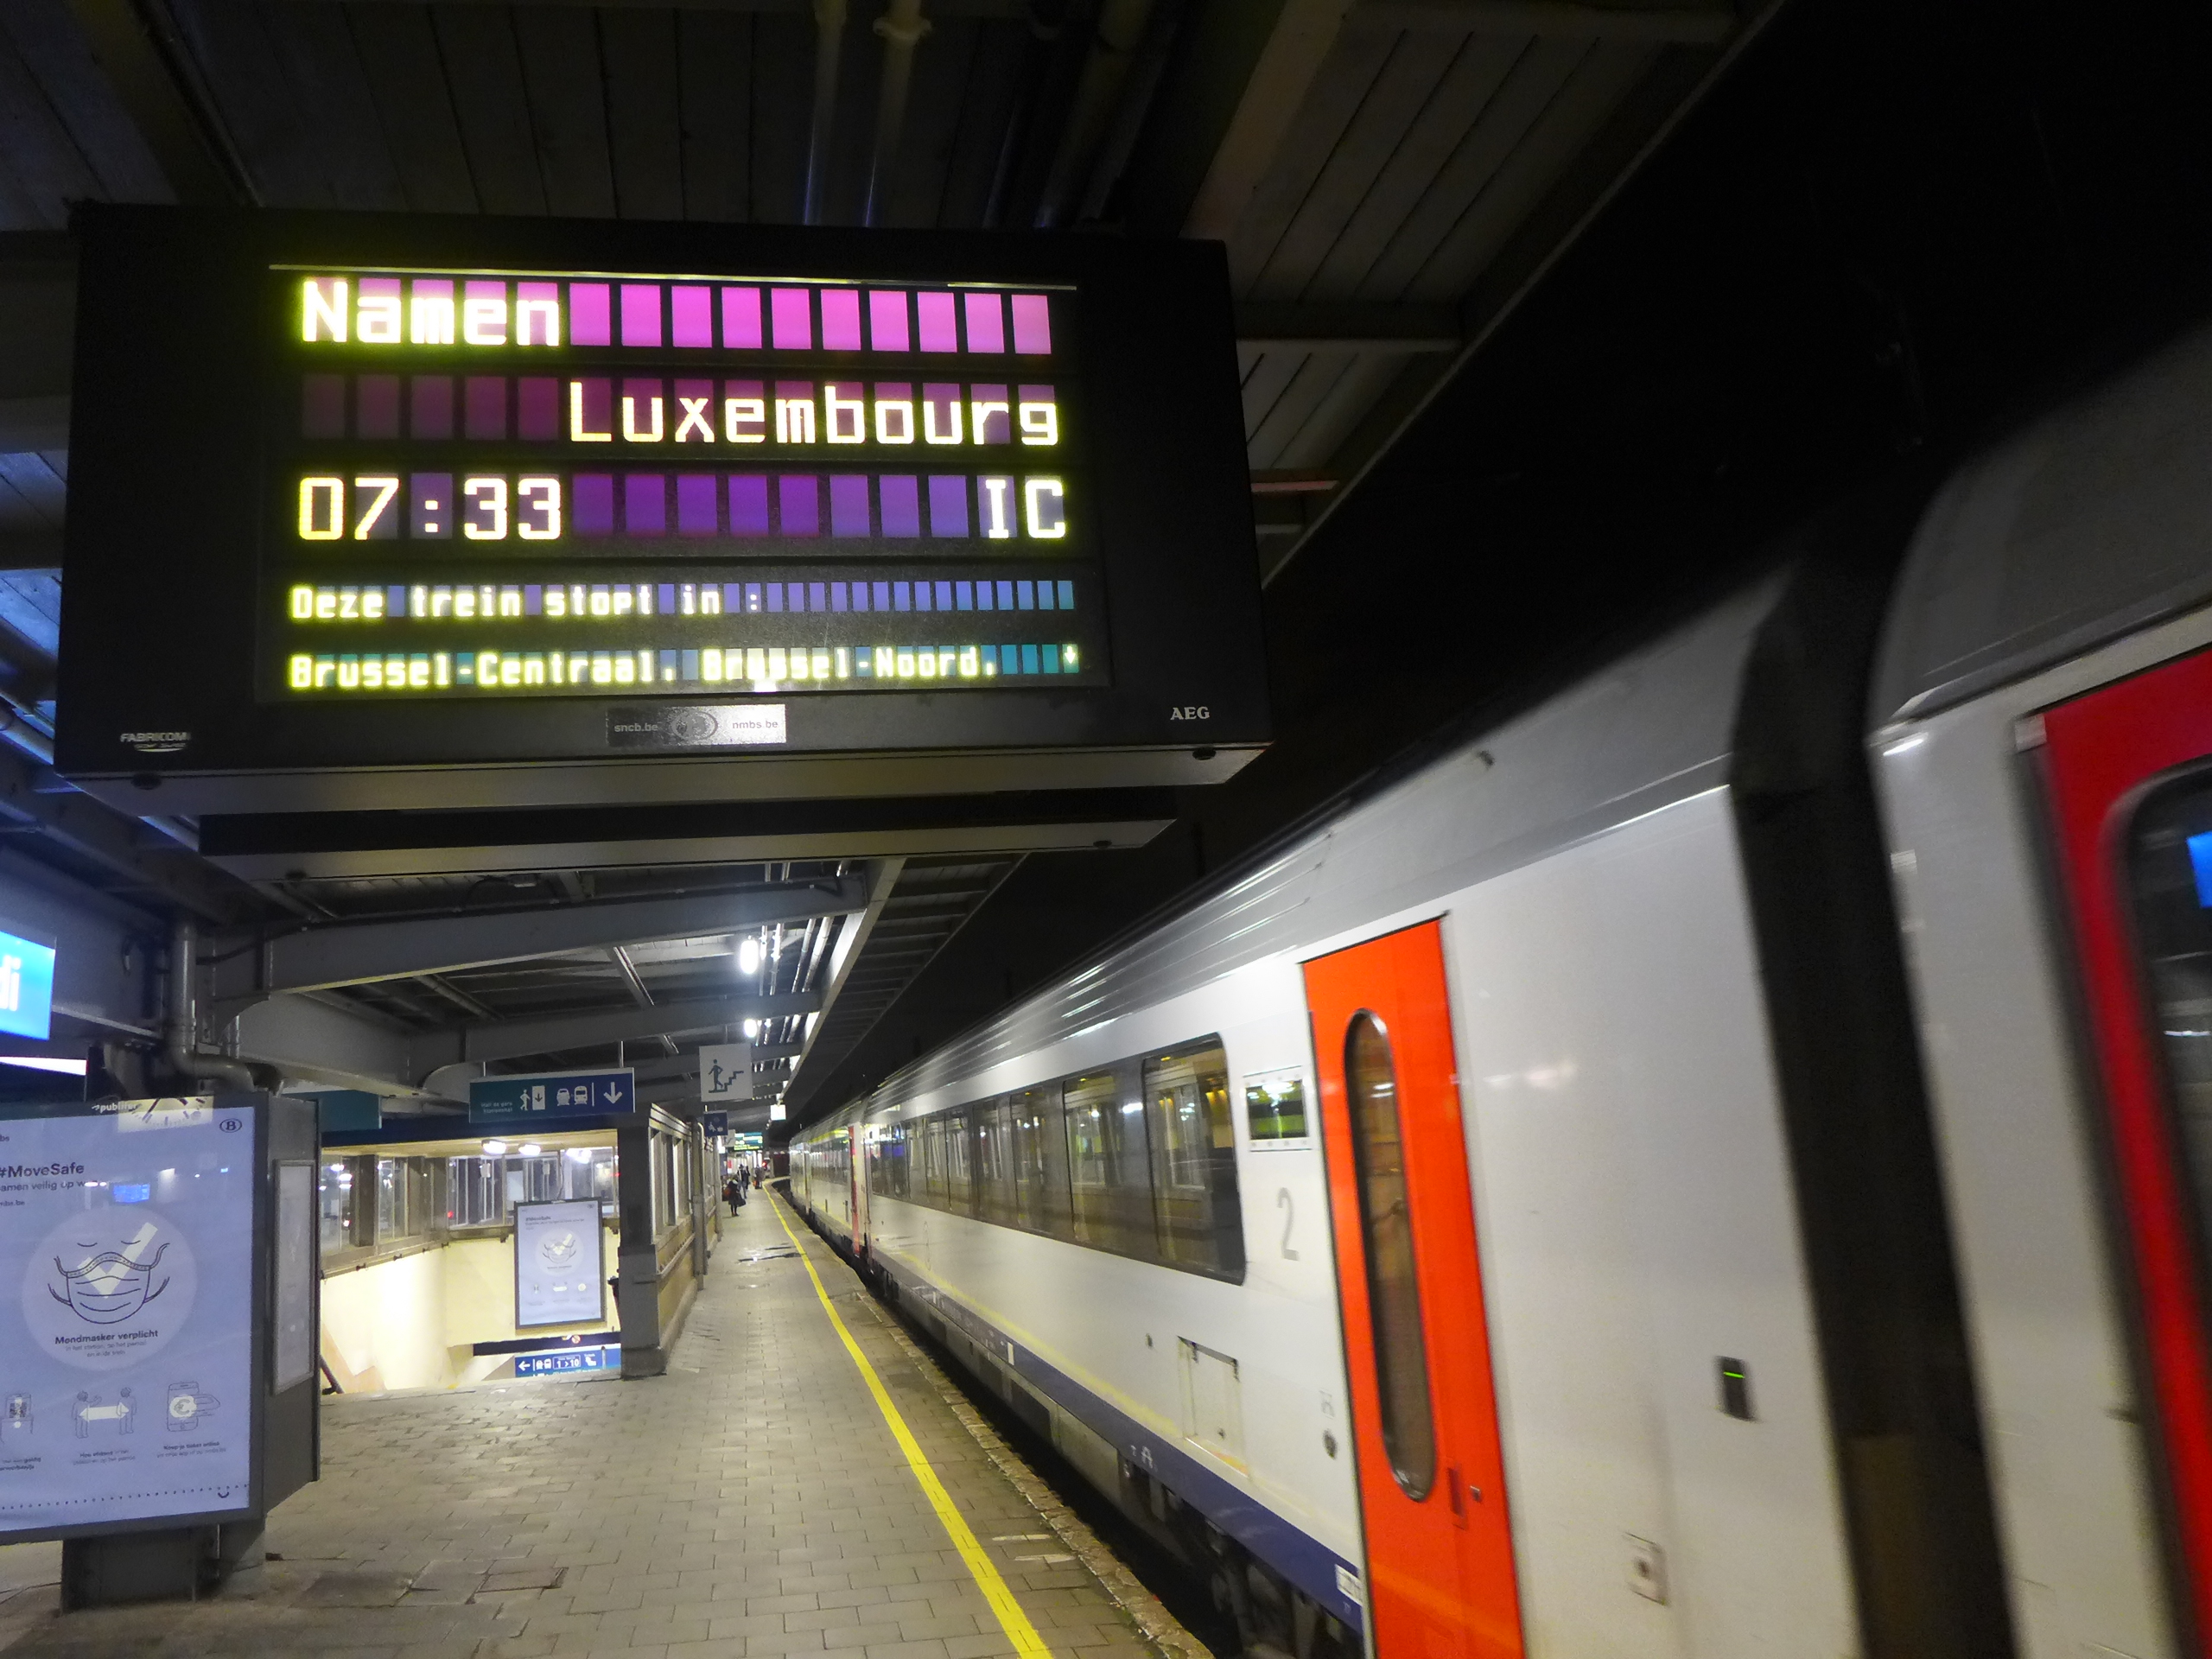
{"points": [[902, 27], [1113, 42], [1045, 19], [829, 50]]}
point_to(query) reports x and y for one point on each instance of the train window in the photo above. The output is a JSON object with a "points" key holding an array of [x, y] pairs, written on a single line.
{"points": [[1194, 1160], [1275, 1109], [959, 1164], [2171, 872], [1387, 1236], [994, 1172], [1109, 1174], [1040, 1157]]}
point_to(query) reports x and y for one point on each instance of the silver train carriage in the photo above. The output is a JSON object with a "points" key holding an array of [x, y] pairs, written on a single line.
{"points": [[1716, 1166]]}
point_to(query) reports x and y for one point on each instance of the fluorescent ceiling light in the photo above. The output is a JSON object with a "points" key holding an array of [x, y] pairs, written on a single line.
{"points": [[44, 1063]]}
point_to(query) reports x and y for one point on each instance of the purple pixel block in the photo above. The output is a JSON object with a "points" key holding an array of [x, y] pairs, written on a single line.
{"points": [[644, 504], [538, 407], [1033, 325], [692, 314], [791, 310], [900, 496], [848, 514], [841, 320], [886, 319], [940, 330], [590, 314], [798, 504], [986, 323], [748, 504], [641, 314], [694, 503], [592, 502], [740, 318]]}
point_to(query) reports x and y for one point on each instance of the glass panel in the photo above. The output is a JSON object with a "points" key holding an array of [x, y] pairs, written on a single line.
{"points": [[1387, 1232], [337, 1207], [2170, 871], [1040, 1157], [1110, 1179], [292, 1355], [1194, 1160], [994, 1165], [959, 1175], [1274, 1106]]}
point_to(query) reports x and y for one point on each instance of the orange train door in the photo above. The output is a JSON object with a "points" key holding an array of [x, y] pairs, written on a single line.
{"points": [[1432, 1477]]}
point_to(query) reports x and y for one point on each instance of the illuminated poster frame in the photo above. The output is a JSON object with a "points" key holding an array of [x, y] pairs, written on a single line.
{"points": [[639, 512]]}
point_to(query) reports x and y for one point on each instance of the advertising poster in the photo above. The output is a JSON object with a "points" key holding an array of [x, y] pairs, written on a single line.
{"points": [[558, 1269], [126, 1315]]}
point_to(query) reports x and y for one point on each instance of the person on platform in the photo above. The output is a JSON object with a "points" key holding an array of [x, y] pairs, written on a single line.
{"points": [[733, 1193]]}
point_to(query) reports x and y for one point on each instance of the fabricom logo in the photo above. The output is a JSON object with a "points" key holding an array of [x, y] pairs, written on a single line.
{"points": [[156, 743]]}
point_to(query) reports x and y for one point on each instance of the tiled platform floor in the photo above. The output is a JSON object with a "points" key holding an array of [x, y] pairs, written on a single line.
{"points": [[752, 1502]]}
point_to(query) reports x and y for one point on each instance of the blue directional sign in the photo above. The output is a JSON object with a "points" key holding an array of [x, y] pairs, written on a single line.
{"points": [[716, 1123], [507, 1101], [26, 987]]}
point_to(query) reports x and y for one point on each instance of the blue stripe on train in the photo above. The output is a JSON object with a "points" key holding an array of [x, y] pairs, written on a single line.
{"points": [[1301, 1559]]}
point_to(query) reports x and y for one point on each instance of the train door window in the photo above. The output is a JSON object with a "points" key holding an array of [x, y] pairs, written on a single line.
{"points": [[1194, 1144], [1387, 1230], [1110, 1177], [959, 1165], [994, 1179], [932, 1135], [2170, 869], [1040, 1158]]}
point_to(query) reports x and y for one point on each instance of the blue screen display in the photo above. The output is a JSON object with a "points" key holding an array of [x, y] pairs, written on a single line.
{"points": [[139, 1194], [2200, 861], [26, 987]]}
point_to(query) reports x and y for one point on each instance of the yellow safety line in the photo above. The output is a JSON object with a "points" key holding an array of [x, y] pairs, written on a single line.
{"points": [[1012, 1619]]}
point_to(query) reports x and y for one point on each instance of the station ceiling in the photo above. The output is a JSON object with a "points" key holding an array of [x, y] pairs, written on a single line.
{"points": [[1390, 178]]}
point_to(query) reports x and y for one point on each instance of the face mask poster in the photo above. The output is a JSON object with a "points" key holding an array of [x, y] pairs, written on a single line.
{"points": [[126, 1273]]}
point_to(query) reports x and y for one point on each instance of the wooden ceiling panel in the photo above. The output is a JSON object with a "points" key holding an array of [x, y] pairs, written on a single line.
{"points": [[567, 87], [1538, 75], [323, 71], [1317, 377], [1334, 418], [643, 111], [1266, 383], [50, 172], [1585, 104], [53, 49], [715, 68], [483, 81], [278, 140], [398, 52], [1478, 68], [1340, 87], [1395, 104]]}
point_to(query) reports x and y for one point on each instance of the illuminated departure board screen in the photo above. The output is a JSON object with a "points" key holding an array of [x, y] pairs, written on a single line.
{"points": [[462, 497]]}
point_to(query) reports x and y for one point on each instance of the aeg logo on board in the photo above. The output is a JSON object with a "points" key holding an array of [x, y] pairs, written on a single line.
{"points": [[1190, 711]]}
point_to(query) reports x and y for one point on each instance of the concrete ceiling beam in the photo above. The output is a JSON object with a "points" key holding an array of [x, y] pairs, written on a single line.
{"points": [[358, 953]]}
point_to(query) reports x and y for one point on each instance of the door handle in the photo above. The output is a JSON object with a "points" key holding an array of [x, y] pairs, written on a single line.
{"points": [[1457, 1491]]}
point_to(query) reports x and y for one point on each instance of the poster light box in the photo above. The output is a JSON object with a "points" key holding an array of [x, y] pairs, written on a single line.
{"points": [[511, 514]]}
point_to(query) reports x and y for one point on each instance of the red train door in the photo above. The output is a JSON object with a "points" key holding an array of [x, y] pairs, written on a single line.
{"points": [[2129, 772], [1432, 1476]]}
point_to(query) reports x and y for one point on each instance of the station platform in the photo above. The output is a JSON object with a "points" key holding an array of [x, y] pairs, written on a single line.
{"points": [[802, 1481]]}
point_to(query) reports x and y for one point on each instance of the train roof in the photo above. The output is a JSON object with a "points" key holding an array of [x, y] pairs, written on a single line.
{"points": [[2091, 522], [1653, 727]]}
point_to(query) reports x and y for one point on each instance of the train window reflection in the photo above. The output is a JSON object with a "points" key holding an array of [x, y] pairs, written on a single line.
{"points": [[1194, 1158], [1387, 1238], [1138, 1158]]}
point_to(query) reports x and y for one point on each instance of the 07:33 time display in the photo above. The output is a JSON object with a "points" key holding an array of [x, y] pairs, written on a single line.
{"points": [[487, 509]]}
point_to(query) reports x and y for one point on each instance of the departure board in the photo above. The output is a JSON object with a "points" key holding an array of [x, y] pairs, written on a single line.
{"points": [[557, 485], [466, 497]]}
